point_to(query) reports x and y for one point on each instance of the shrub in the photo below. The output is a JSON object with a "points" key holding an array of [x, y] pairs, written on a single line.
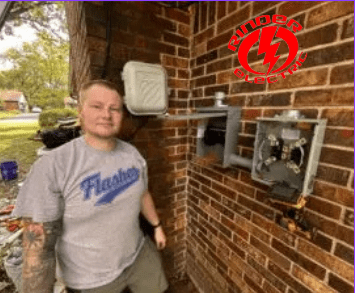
{"points": [[8, 114], [48, 118]]}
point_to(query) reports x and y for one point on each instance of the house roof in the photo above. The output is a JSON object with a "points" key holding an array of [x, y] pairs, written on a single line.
{"points": [[10, 96]]}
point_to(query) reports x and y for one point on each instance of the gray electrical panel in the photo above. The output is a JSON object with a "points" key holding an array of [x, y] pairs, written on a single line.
{"points": [[218, 133], [286, 155]]}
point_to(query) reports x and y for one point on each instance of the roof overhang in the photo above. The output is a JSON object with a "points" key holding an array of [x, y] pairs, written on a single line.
{"points": [[5, 7]]}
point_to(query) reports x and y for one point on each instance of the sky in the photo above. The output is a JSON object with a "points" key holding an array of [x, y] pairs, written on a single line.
{"points": [[21, 34], [24, 33]]}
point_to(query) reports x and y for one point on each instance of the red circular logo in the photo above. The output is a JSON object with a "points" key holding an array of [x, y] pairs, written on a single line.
{"points": [[265, 36]]}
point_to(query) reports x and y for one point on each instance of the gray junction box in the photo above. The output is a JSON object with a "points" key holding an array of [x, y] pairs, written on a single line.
{"points": [[286, 155], [217, 133]]}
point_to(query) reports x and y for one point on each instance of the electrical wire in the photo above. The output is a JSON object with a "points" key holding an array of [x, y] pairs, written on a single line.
{"points": [[302, 156]]}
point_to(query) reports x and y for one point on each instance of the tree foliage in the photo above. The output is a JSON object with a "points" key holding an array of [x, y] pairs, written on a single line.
{"points": [[41, 71], [41, 68], [43, 16]]}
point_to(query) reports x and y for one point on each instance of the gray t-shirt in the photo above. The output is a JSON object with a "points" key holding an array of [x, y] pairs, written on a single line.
{"points": [[97, 195]]}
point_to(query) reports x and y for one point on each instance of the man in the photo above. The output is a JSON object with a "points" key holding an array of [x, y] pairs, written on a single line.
{"points": [[81, 205]]}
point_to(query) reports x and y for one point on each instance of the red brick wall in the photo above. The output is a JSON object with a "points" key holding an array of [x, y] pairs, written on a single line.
{"points": [[146, 32], [233, 243], [10, 105]]}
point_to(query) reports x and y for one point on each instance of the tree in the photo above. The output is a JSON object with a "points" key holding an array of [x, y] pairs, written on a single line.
{"points": [[41, 71], [43, 16]]}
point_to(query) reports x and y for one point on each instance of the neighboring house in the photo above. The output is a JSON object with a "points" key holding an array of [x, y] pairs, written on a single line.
{"points": [[14, 100], [69, 102]]}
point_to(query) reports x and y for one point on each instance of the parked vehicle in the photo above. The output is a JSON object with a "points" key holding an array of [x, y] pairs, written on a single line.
{"points": [[36, 109]]}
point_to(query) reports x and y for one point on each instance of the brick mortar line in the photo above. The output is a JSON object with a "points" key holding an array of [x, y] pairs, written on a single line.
{"points": [[337, 222], [347, 245], [214, 25], [351, 180], [253, 269], [293, 264], [300, 69], [336, 147], [340, 28], [333, 203], [294, 90], [320, 46], [228, 15], [298, 107], [277, 6], [327, 22], [328, 77], [335, 167], [283, 90], [342, 278], [341, 127], [198, 244], [338, 20], [259, 202], [248, 185], [329, 65], [321, 66], [332, 184], [305, 11], [310, 259], [292, 97], [342, 216]]}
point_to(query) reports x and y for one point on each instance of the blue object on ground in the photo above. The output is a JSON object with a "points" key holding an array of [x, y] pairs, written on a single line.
{"points": [[8, 170]]}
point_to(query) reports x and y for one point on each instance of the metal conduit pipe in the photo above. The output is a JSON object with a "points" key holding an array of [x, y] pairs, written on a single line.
{"points": [[240, 161]]}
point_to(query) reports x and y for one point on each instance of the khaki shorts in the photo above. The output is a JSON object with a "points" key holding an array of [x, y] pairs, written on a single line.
{"points": [[145, 275]]}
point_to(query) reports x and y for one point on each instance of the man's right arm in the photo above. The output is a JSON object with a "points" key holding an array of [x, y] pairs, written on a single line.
{"points": [[39, 265]]}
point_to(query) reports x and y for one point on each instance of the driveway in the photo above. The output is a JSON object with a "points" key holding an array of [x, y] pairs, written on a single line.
{"points": [[26, 117]]}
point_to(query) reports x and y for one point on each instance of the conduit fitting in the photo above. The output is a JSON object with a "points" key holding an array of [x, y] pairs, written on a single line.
{"points": [[240, 161]]}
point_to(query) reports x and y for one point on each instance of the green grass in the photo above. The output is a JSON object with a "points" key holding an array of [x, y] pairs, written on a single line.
{"points": [[16, 145], [8, 114], [14, 137]]}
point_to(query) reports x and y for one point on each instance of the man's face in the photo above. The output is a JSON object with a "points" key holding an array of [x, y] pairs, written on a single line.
{"points": [[101, 112]]}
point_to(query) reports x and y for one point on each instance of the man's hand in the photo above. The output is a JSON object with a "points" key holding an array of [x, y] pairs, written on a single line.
{"points": [[160, 238], [149, 212]]}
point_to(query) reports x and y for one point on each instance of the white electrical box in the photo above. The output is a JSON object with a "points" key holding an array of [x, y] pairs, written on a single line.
{"points": [[146, 91]]}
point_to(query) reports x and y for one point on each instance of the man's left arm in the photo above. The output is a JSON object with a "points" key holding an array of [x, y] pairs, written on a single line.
{"points": [[150, 213]]}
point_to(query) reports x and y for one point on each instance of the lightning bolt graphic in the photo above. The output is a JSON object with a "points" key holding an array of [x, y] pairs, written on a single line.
{"points": [[267, 35]]}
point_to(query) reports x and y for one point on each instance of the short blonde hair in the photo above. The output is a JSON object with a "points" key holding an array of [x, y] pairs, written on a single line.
{"points": [[105, 83]]}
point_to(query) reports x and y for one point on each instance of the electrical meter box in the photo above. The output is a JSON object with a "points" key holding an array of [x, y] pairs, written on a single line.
{"points": [[286, 155], [217, 132], [146, 90]]}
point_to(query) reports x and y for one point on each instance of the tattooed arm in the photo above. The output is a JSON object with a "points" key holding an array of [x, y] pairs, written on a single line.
{"points": [[39, 239]]}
